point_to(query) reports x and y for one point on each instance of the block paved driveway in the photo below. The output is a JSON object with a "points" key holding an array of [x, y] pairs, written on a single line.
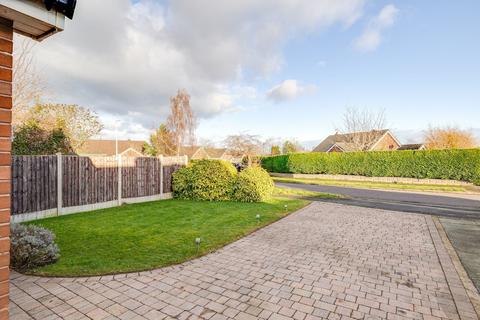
{"points": [[327, 261]]}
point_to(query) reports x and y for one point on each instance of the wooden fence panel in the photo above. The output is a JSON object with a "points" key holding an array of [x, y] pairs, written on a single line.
{"points": [[34, 186], [86, 180], [140, 177], [89, 180]]}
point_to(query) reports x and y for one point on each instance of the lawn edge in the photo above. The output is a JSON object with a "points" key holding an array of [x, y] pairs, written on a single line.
{"points": [[38, 275]]}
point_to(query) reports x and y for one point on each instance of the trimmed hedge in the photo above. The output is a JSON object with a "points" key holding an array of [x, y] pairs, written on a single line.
{"points": [[463, 165], [211, 180], [253, 184]]}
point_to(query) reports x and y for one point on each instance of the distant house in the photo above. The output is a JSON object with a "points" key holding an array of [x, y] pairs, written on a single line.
{"points": [[375, 140], [198, 153], [216, 153], [413, 146], [194, 152], [128, 148]]}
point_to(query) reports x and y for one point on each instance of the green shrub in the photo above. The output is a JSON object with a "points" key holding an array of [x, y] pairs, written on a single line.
{"points": [[31, 247], [463, 165], [253, 185], [211, 180]]}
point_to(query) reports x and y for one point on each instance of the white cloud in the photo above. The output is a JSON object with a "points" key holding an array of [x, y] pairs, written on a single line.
{"points": [[371, 37], [288, 90], [118, 56]]}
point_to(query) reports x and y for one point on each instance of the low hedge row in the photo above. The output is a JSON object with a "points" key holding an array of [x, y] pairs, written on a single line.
{"points": [[463, 165]]}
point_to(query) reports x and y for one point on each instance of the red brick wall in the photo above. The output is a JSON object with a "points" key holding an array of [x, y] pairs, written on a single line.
{"points": [[387, 144], [6, 48]]}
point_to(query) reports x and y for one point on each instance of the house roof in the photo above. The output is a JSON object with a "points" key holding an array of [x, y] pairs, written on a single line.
{"points": [[211, 153], [189, 151], [344, 146], [107, 147], [344, 140], [215, 153], [412, 146]]}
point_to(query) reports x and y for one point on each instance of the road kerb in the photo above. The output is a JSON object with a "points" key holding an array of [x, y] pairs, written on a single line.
{"points": [[463, 291]]}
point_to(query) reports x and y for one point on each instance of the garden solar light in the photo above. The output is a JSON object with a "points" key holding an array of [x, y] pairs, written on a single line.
{"points": [[197, 242], [257, 217], [285, 206]]}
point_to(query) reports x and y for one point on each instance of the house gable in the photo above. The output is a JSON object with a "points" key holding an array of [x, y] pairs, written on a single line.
{"points": [[387, 142], [335, 148], [200, 154], [130, 152]]}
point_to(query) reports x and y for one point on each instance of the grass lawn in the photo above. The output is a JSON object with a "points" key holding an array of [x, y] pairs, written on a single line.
{"points": [[155, 234], [375, 185]]}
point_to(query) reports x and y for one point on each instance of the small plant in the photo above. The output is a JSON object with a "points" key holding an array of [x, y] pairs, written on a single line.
{"points": [[31, 247], [253, 185]]}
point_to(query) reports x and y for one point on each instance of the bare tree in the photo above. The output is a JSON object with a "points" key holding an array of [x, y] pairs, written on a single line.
{"points": [[244, 145], [181, 122], [361, 126], [449, 138], [206, 143], [28, 86]]}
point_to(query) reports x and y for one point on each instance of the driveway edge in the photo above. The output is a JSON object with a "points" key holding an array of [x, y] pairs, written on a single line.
{"points": [[460, 293], [467, 282]]}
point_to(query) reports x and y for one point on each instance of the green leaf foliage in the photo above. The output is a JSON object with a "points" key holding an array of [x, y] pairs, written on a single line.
{"points": [[253, 184], [210, 180], [31, 139], [456, 164], [217, 180]]}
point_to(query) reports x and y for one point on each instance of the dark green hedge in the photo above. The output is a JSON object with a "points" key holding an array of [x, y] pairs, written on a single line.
{"points": [[461, 165]]}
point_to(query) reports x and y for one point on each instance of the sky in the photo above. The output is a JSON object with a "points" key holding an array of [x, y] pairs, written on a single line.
{"points": [[274, 68]]}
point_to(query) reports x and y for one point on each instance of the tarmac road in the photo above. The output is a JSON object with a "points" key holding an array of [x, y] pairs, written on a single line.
{"points": [[434, 204]]}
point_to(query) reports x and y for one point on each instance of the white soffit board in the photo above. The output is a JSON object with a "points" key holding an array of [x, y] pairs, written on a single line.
{"points": [[31, 18]]}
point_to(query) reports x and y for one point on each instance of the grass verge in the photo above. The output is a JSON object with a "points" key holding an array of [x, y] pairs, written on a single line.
{"points": [[155, 234], [299, 193], [374, 185]]}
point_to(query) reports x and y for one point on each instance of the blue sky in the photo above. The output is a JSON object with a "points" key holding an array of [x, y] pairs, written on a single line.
{"points": [[276, 68], [425, 72]]}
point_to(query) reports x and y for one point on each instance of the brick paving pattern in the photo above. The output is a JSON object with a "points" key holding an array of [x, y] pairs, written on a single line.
{"points": [[327, 261]]}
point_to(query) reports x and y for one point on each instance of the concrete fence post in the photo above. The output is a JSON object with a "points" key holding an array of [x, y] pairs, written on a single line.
{"points": [[119, 183], [59, 184], [161, 173]]}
